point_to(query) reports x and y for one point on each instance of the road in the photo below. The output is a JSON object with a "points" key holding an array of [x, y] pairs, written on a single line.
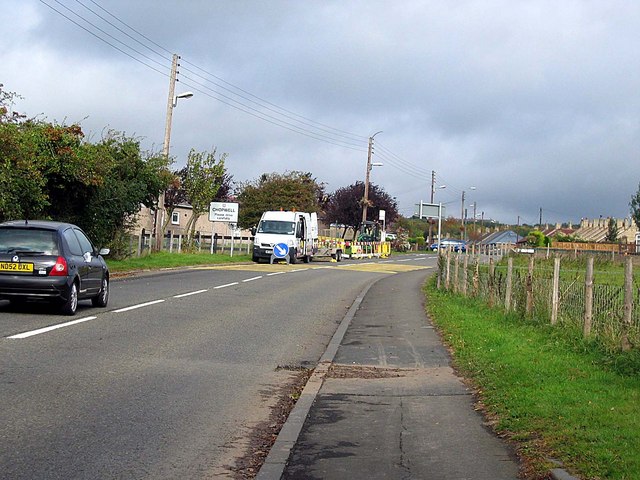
{"points": [[169, 380]]}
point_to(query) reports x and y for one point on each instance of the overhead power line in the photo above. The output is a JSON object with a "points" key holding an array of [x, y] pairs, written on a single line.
{"points": [[148, 52]]}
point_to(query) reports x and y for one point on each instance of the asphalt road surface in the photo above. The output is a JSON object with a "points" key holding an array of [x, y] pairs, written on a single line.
{"points": [[168, 381]]}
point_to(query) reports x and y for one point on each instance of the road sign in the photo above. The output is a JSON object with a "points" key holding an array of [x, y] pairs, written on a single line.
{"points": [[429, 210], [280, 250], [223, 212]]}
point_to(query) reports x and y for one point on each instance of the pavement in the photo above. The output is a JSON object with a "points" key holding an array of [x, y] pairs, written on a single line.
{"points": [[384, 402]]}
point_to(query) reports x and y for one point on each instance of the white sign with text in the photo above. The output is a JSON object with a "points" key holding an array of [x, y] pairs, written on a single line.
{"points": [[223, 212]]}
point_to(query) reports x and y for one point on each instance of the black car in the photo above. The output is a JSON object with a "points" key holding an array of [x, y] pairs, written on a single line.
{"points": [[53, 261]]}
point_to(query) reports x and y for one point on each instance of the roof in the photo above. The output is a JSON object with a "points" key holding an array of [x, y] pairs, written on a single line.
{"points": [[505, 237], [36, 224]]}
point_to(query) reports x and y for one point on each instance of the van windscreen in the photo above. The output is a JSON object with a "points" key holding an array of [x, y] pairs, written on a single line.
{"points": [[277, 227]]}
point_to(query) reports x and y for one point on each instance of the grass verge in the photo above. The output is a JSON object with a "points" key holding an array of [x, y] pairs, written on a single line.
{"points": [[158, 260], [554, 396]]}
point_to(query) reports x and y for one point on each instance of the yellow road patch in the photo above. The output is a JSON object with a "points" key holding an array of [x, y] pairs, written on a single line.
{"points": [[390, 268]]}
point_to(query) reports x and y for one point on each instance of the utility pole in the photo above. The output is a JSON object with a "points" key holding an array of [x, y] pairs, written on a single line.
{"points": [[365, 199], [433, 191], [474, 219], [540, 218], [160, 211], [462, 216]]}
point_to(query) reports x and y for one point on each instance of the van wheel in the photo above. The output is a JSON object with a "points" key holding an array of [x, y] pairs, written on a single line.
{"points": [[292, 256], [339, 256]]}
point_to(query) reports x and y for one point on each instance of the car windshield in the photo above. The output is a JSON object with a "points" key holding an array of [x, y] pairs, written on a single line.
{"points": [[276, 226], [28, 240]]}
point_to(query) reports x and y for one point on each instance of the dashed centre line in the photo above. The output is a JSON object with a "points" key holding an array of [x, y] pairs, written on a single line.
{"points": [[190, 293], [251, 279], [140, 305], [368, 266], [52, 327]]}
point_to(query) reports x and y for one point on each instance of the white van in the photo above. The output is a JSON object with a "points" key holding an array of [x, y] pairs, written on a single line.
{"points": [[297, 230]]}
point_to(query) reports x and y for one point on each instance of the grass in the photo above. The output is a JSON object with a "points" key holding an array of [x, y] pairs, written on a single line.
{"points": [[553, 395], [158, 260]]}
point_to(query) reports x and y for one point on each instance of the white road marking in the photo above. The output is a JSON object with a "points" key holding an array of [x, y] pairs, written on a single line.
{"points": [[140, 305], [298, 270], [251, 279], [52, 327], [275, 273], [190, 293], [226, 285]]}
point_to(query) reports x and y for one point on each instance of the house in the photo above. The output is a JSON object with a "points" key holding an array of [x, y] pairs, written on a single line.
{"points": [[506, 237]]}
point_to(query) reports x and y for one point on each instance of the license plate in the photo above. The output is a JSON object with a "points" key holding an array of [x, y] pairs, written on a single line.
{"points": [[16, 267]]}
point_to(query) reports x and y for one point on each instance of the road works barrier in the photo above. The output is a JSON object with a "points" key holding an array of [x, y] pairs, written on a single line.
{"points": [[367, 249]]}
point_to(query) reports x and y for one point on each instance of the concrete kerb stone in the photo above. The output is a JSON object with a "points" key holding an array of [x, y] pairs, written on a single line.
{"points": [[276, 460]]}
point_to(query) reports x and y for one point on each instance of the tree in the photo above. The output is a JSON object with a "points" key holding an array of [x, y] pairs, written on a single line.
{"points": [[537, 239], [345, 206], [202, 178], [612, 231], [275, 191], [50, 171], [635, 207]]}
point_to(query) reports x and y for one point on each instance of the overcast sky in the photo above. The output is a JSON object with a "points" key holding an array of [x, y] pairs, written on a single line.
{"points": [[536, 104]]}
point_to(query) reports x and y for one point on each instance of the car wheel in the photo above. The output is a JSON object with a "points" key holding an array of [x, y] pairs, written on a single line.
{"points": [[70, 306], [102, 298]]}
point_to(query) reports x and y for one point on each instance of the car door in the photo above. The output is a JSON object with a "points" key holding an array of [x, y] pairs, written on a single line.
{"points": [[92, 261]]}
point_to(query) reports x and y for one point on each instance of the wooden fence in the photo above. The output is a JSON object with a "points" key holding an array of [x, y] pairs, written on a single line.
{"points": [[142, 244], [599, 303]]}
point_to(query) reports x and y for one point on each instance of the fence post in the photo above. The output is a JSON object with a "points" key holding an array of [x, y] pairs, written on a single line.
{"points": [[456, 269], [588, 298], [448, 271], [507, 293], [627, 319], [465, 274], [529, 306], [491, 282], [555, 295], [476, 277]]}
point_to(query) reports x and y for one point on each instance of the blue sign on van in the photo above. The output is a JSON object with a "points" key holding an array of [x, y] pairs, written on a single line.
{"points": [[280, 250]]}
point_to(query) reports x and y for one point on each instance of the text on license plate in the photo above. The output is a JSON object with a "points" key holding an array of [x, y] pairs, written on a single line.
{"points": [[16, 267]]}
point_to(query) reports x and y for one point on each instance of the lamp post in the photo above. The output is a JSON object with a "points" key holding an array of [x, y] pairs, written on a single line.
{"points": [[365, 199], [433, 191], [172, 102]]}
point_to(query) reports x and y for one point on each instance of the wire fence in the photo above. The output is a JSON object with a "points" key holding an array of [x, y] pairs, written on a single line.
{"points": [[598, 302]]}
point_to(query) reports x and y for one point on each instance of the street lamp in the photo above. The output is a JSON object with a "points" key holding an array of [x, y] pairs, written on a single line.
{"points": [[433, 191], [172, 102], [365, 199]]}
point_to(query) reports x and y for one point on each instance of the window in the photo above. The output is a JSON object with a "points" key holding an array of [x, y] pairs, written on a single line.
{"points": [[175, 218], [72, 241], [14, 240], [85, 243]]}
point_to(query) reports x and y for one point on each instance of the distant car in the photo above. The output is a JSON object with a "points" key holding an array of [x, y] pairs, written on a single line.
{"points": [[51, 261], [449, 243]]}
